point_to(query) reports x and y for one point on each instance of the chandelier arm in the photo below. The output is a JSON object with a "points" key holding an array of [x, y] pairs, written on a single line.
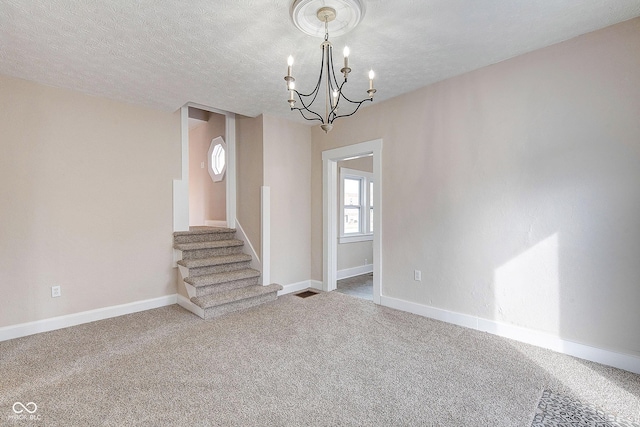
{"points": [[326, 58], [316, 89], [333, 85], [305, 107], [333, 72], [314, 93], [340, 95], [302, 110], [337, 87], [355, 102], [354, 111]]}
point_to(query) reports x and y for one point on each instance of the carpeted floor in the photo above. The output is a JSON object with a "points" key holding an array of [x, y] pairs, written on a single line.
{"points": [[326, 360]]}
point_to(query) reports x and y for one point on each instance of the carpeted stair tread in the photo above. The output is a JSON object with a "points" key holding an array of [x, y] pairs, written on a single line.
{"points": [[220, 298], [204, 230], [216, 260], [217, 278], [208, 245]]}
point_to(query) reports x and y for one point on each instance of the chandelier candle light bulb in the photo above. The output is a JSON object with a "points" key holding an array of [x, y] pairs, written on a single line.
{"points": [[289, 65], [371, 90], [289, 78]]}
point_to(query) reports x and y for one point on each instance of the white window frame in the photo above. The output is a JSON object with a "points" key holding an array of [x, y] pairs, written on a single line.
{"points": [[365, 179]]}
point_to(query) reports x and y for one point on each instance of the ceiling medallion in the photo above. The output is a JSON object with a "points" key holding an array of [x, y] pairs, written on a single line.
{"points": [[316, 17]]}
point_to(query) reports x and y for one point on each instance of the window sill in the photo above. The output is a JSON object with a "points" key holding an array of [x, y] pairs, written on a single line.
{"points": [[355, 238]]}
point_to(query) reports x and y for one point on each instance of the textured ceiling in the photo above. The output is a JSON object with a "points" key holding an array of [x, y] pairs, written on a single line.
{"points": [[232, 54]]}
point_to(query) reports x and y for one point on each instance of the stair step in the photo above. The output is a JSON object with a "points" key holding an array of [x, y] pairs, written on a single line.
{"points": [[216, 260], [219, 278], [236, 299], [216, 264], [203, 234], [208, 245], [203, 230]]}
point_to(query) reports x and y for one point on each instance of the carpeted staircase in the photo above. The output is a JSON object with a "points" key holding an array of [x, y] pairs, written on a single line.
{"points": [[217, 274]]}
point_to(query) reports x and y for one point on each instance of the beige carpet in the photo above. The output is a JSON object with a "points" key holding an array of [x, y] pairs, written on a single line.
{"points": [[326, 360]]}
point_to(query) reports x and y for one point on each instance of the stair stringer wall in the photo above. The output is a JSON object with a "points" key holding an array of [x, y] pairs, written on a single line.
{"points": [[241, 235]]}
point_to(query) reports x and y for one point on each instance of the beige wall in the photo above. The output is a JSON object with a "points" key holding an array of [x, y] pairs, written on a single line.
{"points": [[354, 254], [287, 161], [515, 190], [249, 177], [85, 201], [207, 199]]}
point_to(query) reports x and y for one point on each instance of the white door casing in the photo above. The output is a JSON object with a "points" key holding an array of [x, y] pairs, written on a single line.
{"points": [[330, 159]]}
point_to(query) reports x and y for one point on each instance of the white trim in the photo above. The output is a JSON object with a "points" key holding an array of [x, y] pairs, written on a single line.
{"points": [[330, 211], [185, 303], [354, 271], [541, 339], [265, 240], [53, 323], [241, 235], [315, 284], [330, 222], [180, 205], [215, 223], [230, 131], [357, 238], [300, 286], [181, 186]]}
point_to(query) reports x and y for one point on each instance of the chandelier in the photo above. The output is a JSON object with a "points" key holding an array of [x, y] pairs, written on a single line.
{"points": [[336, 103]]}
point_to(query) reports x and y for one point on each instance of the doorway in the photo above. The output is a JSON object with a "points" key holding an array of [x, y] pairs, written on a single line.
{"points": [[207, 169], [331, 227], [181, 215]]}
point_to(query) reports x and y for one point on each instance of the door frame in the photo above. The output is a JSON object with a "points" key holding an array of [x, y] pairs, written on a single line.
{"points": [[330, 159], [181, 186]]}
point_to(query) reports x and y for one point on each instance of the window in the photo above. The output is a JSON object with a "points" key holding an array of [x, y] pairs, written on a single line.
{"points": [[356, 205], [217, 159]]}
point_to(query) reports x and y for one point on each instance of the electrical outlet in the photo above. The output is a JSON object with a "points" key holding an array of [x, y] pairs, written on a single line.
{"points": [[365, 261], [55, 291], [417, 275]]}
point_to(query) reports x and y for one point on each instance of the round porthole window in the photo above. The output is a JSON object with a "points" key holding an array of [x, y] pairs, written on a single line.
{"points": [[217, 159]]}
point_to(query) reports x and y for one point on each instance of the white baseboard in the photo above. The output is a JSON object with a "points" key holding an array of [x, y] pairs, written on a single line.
{"points": [[185, 303], [541, 339], [60, 322], [300, 286], [315, 284], [354, 271]]}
